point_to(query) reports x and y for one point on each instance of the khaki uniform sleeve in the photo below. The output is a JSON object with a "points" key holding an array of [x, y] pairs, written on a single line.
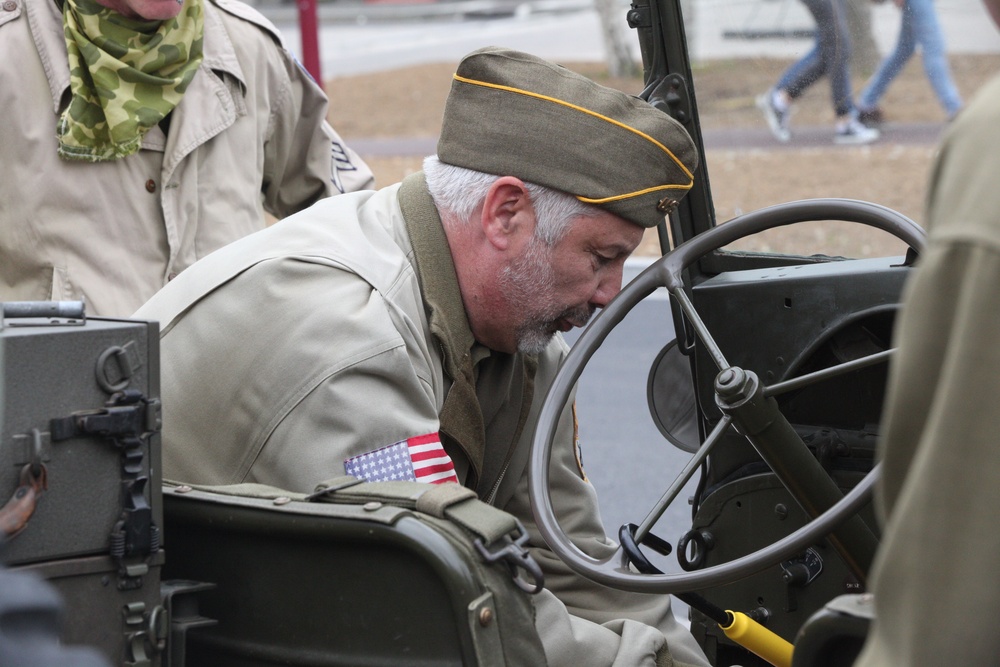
{"points": [[937, 593], [940, 543], [365, 406], [282, 387], [573, 641], [305, 158], [374, 392], [589, 624]]}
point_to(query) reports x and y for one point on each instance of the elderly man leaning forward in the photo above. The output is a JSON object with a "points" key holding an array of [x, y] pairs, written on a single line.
{"points": [[429, 312]]}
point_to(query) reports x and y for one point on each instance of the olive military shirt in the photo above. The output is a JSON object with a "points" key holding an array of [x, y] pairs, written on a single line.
{"points": [[937, 575]]}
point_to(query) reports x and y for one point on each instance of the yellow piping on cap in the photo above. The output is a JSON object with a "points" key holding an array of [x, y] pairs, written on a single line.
{"points": [[637, 193], [645, 136]]}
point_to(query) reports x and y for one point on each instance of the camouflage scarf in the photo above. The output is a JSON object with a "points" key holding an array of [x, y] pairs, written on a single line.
{"points": [[126, 75]]}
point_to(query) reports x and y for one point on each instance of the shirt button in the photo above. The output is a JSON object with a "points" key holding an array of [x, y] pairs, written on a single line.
{"points": [[9, 6], [171, 276], [150, 185]]}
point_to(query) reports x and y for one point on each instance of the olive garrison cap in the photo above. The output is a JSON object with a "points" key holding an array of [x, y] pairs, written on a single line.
{"points": [[512, 114]]}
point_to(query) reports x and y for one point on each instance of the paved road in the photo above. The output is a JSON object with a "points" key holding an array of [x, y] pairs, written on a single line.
{"points": [[358, 37]]}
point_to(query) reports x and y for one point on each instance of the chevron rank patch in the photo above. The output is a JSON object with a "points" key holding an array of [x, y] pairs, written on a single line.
{"points": [[420, 459]]}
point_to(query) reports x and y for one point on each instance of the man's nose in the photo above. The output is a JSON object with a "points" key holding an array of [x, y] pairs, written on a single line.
{"points": [[610, 285]]}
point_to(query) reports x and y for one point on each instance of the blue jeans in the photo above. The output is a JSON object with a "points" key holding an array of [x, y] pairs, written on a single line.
{"points": [[830, 55], [919, 26]]}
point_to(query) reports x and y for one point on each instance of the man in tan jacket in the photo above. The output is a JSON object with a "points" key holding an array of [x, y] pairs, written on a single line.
{"points": [[412, 333], [141, 135]]}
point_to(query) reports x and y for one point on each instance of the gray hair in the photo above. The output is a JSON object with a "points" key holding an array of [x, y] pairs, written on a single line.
{"points": [[458, 191]]}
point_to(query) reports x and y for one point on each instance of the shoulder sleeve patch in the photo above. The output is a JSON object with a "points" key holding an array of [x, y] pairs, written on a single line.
{"points": [[249, 14], [418, 459]]}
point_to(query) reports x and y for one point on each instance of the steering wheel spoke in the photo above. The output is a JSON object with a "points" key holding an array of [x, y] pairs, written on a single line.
{"points": [[801, 381], [682, 478]]}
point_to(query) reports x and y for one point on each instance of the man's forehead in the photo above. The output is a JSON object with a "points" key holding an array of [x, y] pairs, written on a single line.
{"points": [[608, 231]]}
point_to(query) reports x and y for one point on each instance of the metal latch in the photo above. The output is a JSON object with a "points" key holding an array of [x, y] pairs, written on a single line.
{"points": [[127, 421], [515, 556]]}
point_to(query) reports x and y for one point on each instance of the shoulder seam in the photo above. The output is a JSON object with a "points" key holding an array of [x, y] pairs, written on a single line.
{"points": [[247, 13]]}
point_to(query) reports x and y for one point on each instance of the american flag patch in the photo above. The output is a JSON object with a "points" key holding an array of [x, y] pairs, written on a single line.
{"points": [[420, 459]]}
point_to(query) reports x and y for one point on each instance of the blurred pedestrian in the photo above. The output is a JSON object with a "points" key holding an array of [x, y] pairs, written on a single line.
{"points": [[830, 55], [918, 25]]}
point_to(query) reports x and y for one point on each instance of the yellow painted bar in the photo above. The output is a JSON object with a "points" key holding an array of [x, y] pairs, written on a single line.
{"points": [[757, 639]]}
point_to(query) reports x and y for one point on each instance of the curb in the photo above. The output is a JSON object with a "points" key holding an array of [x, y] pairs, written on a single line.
{"points": [[906, 134]]}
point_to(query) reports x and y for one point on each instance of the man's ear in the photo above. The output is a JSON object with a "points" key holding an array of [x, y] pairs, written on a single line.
{"points": [[507, 212]]}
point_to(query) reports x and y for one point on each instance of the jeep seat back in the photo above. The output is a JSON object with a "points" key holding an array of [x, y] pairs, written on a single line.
{"points": [[347, 581]]}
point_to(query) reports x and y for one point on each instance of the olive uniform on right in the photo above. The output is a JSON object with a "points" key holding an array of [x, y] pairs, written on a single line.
{"points": [[937, 576]]}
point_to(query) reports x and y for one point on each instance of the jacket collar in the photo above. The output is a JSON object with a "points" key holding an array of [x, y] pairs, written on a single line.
{"points": [[461, 417], [465, 413]]}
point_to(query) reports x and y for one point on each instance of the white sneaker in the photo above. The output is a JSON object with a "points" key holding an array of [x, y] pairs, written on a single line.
{"points": [[777, 119], [854, 132]]}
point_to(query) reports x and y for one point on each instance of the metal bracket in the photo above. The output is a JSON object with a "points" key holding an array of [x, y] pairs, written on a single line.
{"points": [[127, 421], [116, 365], [515, 556], [670, 95]]}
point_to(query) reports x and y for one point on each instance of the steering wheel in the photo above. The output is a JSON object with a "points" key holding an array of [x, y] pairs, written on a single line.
{"points": [[745, 402]]}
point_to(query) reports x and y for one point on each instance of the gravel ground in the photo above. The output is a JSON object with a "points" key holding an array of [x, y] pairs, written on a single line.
{"points": [[409, 103]]}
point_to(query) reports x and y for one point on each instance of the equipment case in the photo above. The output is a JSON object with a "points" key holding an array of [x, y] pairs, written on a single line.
{"points": [[79, 468]]}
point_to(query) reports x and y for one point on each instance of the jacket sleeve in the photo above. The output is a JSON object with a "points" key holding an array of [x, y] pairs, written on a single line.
{"points": [[581, 622], [305, 158], [371, 387], [938, 493]]}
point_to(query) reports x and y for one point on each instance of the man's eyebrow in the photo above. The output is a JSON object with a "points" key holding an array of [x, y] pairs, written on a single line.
{"points": [[621, 247], [613, 248]]}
